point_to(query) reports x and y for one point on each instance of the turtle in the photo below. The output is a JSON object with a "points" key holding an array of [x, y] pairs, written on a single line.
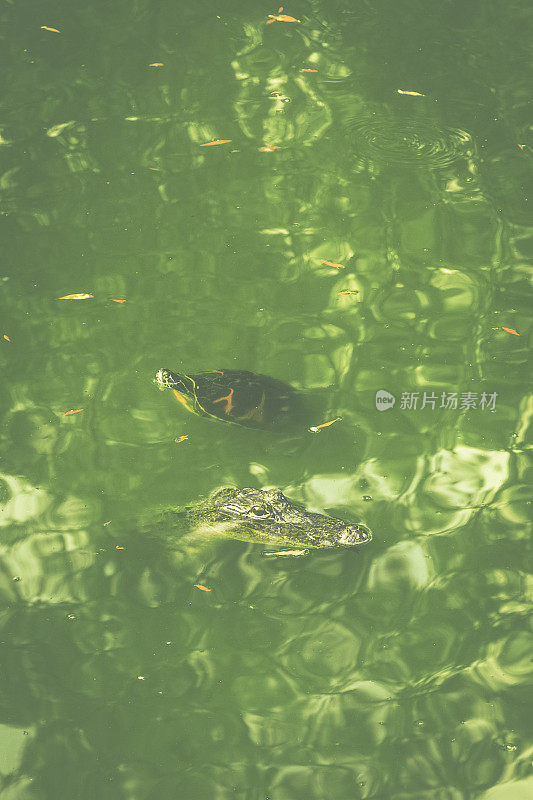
{"points": [[236, 396]]}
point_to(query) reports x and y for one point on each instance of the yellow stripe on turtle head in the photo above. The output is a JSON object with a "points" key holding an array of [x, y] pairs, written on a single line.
{"points": [[183, 400]]}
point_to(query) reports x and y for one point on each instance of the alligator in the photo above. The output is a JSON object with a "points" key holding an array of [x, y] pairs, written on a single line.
{"points": [[263, 516]]}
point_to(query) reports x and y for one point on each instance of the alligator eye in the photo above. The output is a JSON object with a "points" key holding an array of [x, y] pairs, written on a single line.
{"points": [[259, 511]]}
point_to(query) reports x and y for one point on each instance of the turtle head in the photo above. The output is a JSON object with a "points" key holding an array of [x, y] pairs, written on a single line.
{"points": [[178, 381]]}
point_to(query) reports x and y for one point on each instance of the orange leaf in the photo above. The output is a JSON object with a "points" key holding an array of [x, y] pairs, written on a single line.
{"points": [[215, 141], [155, 169], [117, 301], [107, 523], [156, 64], [308, 70], [279, 17], [348, 291], [180, 439], [76, 296], [235, 151], [76, 411], [332, 264], [413, 94], [203, 588], [510, 330], [269, 148], [46, 28], [522, 146], [316, 428], [6, 337]]}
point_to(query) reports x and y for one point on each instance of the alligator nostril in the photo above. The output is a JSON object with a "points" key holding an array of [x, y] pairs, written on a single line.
{"points": [[359, 534]]}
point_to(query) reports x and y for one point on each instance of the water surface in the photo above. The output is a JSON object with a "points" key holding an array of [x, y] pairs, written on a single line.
{"points": [[398, 671]]}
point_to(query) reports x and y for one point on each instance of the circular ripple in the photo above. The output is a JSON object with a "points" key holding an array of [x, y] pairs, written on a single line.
{"points": [[412, 142]]}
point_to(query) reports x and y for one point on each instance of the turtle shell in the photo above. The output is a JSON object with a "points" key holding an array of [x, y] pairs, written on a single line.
{"points": [[244, 398]]}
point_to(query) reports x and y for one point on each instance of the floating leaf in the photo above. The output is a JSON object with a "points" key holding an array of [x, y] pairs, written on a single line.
{"points": [[332, 264], [272, 17], [316, 428], [522, 146], [155, 169], [203, 588], [348, 291], [46, 28], [215, 141], [235, 151], [107, 523], [56, 130], [120, 547], [308, 70], [73, 411], [279, 17], [156, 64], [114, 300], [412, 94], [269, 148], [510, 330], [180, 439], [76, 297], [287, 553], [6, 337]]}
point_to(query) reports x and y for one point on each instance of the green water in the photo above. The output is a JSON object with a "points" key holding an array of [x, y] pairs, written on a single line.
{"points": [[398, 671]]}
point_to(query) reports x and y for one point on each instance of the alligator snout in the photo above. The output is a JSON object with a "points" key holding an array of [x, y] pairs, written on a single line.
{"points": [[354, 534]]}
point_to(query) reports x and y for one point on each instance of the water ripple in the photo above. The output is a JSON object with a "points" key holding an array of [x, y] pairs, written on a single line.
{"points": [[411, 142]]}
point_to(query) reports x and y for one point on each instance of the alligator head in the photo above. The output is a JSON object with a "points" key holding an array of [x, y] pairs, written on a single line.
{"points": [[268, 517]]}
